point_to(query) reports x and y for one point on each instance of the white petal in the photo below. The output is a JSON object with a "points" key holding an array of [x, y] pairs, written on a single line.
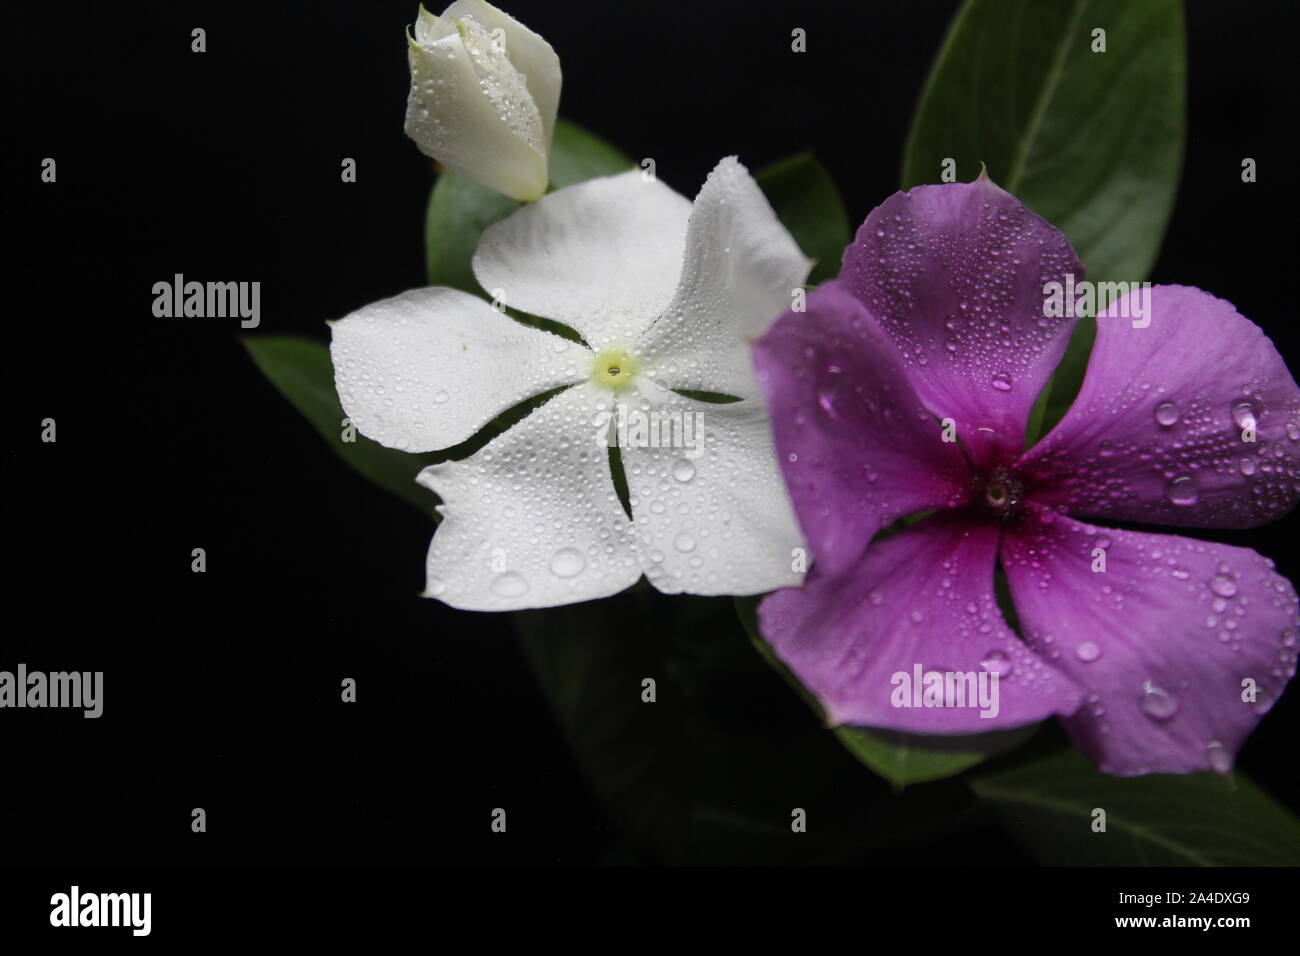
{"points": [[428, 368], [740, 270], [429, 28], [602, 257], [473, 112], [712, 515], [531, 55], [532, 519]]}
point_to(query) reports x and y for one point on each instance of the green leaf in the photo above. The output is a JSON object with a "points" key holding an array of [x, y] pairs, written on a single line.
{"points": [[902, 759], [578, 155], [460, 209], [806, 201], [905, 759], [302, 371], [1159, 820], [1092, 142]]}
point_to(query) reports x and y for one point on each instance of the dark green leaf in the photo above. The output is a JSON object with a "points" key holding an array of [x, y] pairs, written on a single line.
{"points": [[1159, 820], [302, 371], [1092, 142], [806, 201]]}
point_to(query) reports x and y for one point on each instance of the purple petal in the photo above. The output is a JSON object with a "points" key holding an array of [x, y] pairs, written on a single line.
{"points": [[919, 601], [956, 273], [1166, 639], [857, 447], [1156, 434]]}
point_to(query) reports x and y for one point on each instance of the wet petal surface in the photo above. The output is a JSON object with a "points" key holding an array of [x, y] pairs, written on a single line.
{"points": [[922, 602], [1192, 420], [712, 513], [426, 369], [1164, 640], [857, 446], [532, 519], [741, 271], [602, 257], [956, 274]]}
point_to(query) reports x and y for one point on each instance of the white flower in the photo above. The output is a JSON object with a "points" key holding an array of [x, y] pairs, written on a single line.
{"points": [[484, 93], [665, 295]]}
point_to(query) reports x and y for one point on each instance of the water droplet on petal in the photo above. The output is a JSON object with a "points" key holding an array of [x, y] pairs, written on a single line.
{"points": [[1182, 490], [1223, 586], [1220, 759], [1156, 703], [509, 584], [1167, 414], [1002, 382], [567, 562], [684, 542], [995, 662], [1243, 413], [1088, 651], [683, 470]]}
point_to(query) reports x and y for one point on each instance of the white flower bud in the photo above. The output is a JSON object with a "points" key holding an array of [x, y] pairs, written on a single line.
{"points": [[484, 94]]}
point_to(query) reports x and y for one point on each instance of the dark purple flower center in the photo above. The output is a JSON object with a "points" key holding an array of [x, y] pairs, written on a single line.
{"points": [[1000, 493]]}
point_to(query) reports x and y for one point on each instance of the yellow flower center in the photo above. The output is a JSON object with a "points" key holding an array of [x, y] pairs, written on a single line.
{"points": [[614, 368]]}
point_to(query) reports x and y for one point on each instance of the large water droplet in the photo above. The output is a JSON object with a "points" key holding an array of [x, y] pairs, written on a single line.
{"points": [[1002, 382], [1167, 413], [1223, 586], [684, 542], [1088, 651], [1220, 760], [567, 562], [1156, 703], [683, 470], [509, 584], [1182, 490], [995, 662]]}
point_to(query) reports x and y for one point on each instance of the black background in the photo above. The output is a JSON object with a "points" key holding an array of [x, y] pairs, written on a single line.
{"points": [[222, 689]]}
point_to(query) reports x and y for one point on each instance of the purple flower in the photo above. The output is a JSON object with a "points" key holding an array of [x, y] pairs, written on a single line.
{"points": [[905, 387]]}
